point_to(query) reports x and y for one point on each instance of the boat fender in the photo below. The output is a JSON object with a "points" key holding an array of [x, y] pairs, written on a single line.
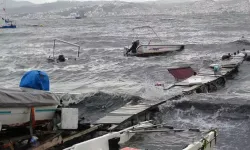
{"points": [[217, 69]]}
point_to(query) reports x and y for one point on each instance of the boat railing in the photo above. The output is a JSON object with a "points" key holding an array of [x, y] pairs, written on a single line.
{"points": [[145, 27], [65, 42]]}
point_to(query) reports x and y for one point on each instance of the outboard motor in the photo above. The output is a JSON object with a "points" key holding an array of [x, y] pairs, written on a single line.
{"points": [[224, 57], [35, 79], [182, 47], [247, 58], [61, 58]]}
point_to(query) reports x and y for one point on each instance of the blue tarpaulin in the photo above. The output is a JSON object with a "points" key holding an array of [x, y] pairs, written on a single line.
{"points": [[35, 79]]}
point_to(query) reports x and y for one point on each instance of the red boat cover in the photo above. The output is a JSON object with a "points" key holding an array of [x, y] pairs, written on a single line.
{"points": [[181, 73]]}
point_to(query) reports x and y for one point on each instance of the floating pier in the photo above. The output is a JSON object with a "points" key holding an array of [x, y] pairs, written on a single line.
{"points": [[202, 82]]}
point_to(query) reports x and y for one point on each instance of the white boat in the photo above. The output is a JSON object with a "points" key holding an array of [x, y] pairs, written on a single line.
{"points": [[32, 102], [114, 139], [206, 143], [16, 104], [151, 48]]}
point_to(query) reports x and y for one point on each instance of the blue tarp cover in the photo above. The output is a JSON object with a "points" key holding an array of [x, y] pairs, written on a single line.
{"points": [[35, 79]]}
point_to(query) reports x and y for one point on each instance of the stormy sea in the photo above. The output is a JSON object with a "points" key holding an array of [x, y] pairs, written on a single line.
{"points": [[106, 80]]}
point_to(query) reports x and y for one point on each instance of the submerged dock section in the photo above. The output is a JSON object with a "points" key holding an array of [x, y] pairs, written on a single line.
{"points": [[206, 80]]}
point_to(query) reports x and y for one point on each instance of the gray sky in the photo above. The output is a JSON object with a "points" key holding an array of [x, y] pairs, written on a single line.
{"points": [[45, 1]]}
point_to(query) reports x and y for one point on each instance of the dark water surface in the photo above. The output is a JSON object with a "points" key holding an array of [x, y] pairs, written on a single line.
{"points": [[108, 80]]}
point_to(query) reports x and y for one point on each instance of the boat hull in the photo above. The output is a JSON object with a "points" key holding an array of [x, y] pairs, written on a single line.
{"points": [[21, 116], [155, 50], [207, 143], [8, 27]]}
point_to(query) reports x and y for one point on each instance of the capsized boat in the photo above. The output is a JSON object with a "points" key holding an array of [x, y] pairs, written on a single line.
{"points": [[151, 48]]}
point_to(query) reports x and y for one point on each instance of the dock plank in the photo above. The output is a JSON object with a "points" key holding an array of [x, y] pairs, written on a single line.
{"points": [[196, 80], [210, 72], [112, 119], [122, 114]]}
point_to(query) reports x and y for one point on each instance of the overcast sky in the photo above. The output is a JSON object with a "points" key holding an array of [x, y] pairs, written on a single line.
{"points": [[44, 1]]}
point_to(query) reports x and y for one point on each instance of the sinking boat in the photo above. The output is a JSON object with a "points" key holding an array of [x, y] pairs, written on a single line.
{"points": [[151, 48], [61, 57]]}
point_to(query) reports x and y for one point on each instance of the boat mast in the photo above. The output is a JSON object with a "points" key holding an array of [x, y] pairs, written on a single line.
{"points": [[4, 9]]}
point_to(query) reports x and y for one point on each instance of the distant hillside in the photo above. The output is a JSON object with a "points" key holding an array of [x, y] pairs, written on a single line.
{"points": [[63, 9], [15, 4], [60, 5]]}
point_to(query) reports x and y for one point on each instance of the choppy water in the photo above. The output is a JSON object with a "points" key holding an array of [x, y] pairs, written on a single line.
{"points": [[109, 80]]}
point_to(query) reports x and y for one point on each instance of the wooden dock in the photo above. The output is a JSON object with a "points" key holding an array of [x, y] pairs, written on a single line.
{"points": [[206, 77], [123, 114]]}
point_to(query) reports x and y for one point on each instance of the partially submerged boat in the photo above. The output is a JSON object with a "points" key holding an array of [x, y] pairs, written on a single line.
{"points": [[151, 48], [61, 57], [114, 140]]}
